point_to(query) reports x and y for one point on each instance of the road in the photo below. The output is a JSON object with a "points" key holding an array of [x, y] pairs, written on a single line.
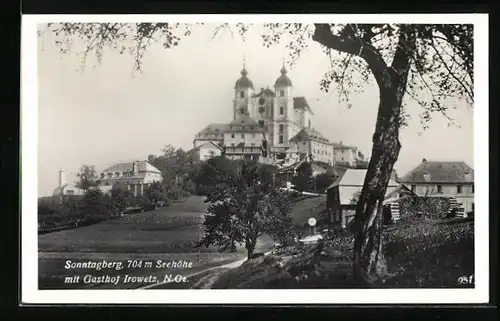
{"points": [[200, 280]]}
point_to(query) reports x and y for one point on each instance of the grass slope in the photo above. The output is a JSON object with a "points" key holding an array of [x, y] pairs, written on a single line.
{"points": [[424, 254]]}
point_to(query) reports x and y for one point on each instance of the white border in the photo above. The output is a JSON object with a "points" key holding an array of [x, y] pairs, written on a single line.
{"points": [[29, 132]]}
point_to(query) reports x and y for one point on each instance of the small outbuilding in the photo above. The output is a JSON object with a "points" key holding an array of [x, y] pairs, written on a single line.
{"points": [[343, 194]]}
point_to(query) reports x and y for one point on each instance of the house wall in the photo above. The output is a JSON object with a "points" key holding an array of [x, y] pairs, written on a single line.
{"points": [[198, 142], [209, 152], [243, 137], [465, 197], [244, 102], [322, 152], [344, 155]]}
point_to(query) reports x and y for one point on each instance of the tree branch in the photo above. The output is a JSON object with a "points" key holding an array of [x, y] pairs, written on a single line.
{"points": [[355, 46]]}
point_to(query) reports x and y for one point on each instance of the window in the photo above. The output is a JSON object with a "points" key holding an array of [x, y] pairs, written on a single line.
{"points": [[472, 187], [459, 189], [242, 94], [261, 123], [252, 144], [261, 101], [282, 93], [281, 128], [281, 139], [282, 110], [242, 110], [232, 135], [439, 189], [261, 110], [232, 144], [253, 135], [242, 135]]}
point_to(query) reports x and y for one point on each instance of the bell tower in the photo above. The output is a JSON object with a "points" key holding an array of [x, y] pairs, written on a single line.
{"points": [[243, 92]]}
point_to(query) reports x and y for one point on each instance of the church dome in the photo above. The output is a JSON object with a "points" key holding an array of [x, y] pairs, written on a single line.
{"points": [[283, 80], [243, 82]]}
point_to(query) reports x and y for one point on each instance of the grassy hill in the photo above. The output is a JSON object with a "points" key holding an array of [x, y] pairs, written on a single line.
{"points": [[306, 207], [423, 254]]}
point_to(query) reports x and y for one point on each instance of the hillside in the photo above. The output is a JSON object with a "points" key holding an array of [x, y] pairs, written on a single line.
{"points": [[307, 207], [425, 254]]}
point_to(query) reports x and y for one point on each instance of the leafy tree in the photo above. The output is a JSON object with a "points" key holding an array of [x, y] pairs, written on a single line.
{"points": [[120, 198], [323, 181], [242, 209], [156, 193], [303, 179], [87, 178], [95, 206], [431, 64]]}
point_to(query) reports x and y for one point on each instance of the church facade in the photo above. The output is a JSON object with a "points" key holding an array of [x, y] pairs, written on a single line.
{"points": [[269, 126]]}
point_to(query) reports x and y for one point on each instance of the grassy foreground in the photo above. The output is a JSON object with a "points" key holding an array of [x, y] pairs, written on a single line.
{"points": [[420, 254]]}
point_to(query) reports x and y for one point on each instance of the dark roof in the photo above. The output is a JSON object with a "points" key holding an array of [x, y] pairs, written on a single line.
{"points": [[283, 80], [243, 82], [309, 133], [207, 144], [440, 172], [143, 166], [212, 129], [301, 103], [342, 146], [265, 92], [247, 122]]}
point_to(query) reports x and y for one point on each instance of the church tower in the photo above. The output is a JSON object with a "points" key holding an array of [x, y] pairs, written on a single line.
{"points": [[283, 118], [243, 92]]}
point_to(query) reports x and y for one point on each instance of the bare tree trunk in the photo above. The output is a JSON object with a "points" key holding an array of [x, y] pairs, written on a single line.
{"points": [[369, 262], [250, 247]]}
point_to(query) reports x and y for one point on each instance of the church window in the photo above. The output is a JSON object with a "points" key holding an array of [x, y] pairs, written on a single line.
{"points": [[242, 94], [282, 110], [282, 93], [281, 139], [281, 128]]}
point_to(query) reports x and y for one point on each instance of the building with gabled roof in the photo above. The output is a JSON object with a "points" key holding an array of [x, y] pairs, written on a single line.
{"points": [[205, 151], [136, 176], [268, 124], [451, 179], [342, 196]]}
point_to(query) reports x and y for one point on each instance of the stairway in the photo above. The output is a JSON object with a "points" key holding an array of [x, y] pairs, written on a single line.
{"points": [[456, 207]]}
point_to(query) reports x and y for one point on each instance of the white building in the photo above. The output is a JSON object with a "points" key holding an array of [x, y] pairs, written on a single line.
{"points": [[136, 176], [64, 188], [263, 122]]}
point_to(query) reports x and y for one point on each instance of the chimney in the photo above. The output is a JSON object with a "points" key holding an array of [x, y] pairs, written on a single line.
{"points": [[61, 177], [424, 160]]}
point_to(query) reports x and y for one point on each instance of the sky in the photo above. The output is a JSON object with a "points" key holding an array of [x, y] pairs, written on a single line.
{"points": [[108, 113]]}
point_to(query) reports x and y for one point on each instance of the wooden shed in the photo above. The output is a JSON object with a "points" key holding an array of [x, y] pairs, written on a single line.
{"points": [[343, 194]]}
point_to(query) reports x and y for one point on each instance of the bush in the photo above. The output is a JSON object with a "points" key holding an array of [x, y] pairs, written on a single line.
{"points": [[430, 254], [424, 208]]}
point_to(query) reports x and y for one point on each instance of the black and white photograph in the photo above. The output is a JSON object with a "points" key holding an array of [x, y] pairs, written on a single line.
{"points": [[339, 153]]}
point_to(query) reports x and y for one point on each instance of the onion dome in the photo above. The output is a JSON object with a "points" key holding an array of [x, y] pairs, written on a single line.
{"points": [[243, 82], [283, 80]]}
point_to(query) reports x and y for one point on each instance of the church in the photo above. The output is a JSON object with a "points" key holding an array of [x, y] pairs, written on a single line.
{"points": [[268, 126]]}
